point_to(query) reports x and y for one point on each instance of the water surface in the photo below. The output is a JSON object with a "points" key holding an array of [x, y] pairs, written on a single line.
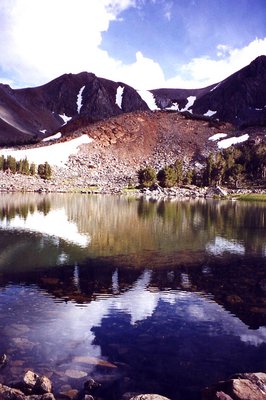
{"points": [[142, 296]]}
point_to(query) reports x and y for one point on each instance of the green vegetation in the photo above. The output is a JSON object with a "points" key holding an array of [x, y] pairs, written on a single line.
{"points": [[147, 177], [251, 197], [230, 167], [10, 164]]}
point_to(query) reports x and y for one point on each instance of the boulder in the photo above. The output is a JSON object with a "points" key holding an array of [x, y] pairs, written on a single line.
{"points": [[33, 383], [247, 386], [149, 397], [7, 393]]}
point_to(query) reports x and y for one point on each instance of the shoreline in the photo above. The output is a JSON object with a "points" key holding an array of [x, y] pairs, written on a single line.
{"points": [[18, 183]]}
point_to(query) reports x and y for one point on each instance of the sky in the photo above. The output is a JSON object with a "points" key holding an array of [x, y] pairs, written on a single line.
{"points": [[147, 44]]}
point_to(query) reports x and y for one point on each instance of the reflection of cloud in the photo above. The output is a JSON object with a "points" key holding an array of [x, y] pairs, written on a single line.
{"points": [[222, 245], [138, 301], [255, 338], [55, 223], [77, 323]]}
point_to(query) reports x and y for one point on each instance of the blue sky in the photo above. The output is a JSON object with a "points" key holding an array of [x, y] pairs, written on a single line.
{"points": [[145, 43]]}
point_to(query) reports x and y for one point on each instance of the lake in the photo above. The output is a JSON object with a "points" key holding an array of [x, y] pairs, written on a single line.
{"points": [[143, 296]]}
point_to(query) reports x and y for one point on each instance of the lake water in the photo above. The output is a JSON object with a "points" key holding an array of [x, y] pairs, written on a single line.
{"points": [[143, 296]]}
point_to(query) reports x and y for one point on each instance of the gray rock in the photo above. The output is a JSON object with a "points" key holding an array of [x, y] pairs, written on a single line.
{"points": [[149, 397]]}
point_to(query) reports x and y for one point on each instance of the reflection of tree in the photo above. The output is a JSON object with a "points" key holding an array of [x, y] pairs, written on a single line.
{"points": [[22, 207]]}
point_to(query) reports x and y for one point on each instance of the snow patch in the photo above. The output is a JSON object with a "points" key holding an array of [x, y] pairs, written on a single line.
{"points": [[79, 99], [174, 107], [210, 113], [225, 143], [56, 154], [215, 87], [119, 96], [149, 99], [42, 130], [217, 136], [53, 137], [190, 101], [65, 118]]}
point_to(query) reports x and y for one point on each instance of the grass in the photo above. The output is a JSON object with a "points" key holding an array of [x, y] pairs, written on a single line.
{"points": [[251, 197]]}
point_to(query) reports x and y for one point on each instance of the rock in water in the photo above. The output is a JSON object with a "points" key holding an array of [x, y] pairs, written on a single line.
{"points": [[249, 386]]}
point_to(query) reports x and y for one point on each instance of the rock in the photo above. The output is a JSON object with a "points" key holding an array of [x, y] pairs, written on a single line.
{"points": [[249, 386], [75, 374], [46, 396], [222, 396], [149, 397], [70, 394], [43, 385], [7, 393], [29, 380], [3, 360], [91, 386]]}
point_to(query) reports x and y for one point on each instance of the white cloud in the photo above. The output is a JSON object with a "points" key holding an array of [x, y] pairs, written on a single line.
{"points": [[43, 39], [204, 71]]}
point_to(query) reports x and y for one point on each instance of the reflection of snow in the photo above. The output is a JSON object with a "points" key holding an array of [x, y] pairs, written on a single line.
{"points": [[55, 223], [255, 338], [195, 310], [138, 302], [222, 245]]}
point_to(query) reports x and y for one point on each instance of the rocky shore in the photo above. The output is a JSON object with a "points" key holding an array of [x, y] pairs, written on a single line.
{"points": [[64, 181], [245, 386]]}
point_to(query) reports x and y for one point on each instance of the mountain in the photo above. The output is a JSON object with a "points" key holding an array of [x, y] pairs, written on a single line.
{"points": [[75, 100], [240, 99], [30, 114]]}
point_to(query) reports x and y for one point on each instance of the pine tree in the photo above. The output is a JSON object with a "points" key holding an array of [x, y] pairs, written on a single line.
{"points": [[167, 176], [147, 176]]}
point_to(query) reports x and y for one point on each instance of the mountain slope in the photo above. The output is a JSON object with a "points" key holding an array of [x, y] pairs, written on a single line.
{"points": [[240, 99], [75, 100], [32, 113]]}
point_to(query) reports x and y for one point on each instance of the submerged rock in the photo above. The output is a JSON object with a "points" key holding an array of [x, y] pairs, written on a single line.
{"points": [[248, 386], [149, 397]]}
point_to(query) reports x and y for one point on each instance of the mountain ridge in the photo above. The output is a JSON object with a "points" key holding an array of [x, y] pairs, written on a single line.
{"points": [[73, 100]]}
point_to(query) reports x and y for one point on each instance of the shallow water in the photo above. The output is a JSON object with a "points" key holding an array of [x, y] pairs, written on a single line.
{"points": [[142, 296]]}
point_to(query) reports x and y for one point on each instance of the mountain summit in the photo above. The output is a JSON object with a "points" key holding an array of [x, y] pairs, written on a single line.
{"points": [[72, 100]]}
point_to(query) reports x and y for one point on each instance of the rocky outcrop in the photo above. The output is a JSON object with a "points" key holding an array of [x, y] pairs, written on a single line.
{"points": [[246, 386]]}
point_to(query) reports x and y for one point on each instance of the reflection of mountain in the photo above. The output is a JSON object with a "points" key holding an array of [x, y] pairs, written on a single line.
{"points": [[236, 283], [136, 232], [208, 246]]}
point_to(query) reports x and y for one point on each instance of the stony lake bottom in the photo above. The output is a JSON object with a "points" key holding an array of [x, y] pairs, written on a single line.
{"points": [[143, 296]]}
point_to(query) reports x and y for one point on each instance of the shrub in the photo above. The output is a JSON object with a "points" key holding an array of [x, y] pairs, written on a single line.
{"points": [[147, 177], [167, 177]]}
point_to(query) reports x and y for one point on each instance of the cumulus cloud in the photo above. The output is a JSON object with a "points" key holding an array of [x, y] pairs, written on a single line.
{"points": [[204, 71], [43, 39]]}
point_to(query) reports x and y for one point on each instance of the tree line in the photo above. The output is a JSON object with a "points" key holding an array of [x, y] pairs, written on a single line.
{"points": [[229, 167], [10, 164]]}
